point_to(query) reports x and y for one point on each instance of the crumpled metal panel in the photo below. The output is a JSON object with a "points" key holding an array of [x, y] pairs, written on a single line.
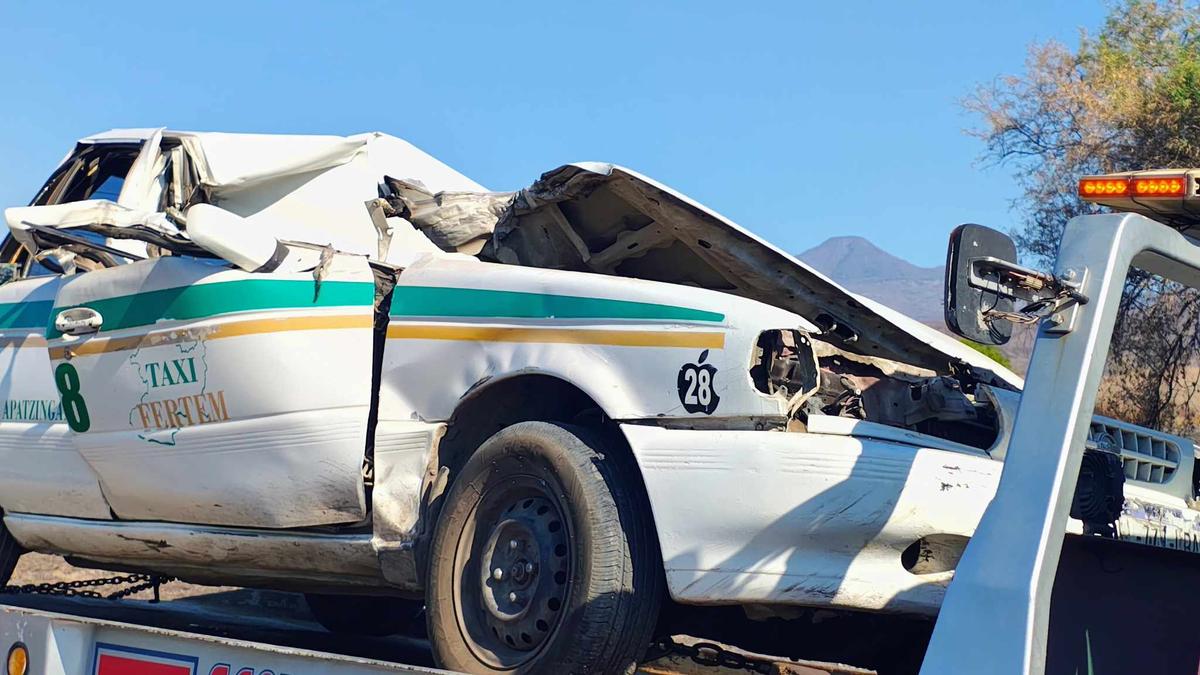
{"points": [[604, 205]]}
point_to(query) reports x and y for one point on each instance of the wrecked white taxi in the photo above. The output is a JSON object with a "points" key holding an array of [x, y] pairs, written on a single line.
{"points": [[336, 365]]}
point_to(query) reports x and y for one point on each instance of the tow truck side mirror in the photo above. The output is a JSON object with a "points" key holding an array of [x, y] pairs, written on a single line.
{"points": [[969, 298]]}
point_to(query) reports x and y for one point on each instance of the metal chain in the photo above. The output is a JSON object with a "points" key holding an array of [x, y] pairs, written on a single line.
{"points": [[72, 589], [707, 654]]}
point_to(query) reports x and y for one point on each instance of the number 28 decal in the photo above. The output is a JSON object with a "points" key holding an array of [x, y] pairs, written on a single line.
{"points": [[695, 383]]}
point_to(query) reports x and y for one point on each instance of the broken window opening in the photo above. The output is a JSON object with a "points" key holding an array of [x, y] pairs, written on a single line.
{"points": [[95, 173]]}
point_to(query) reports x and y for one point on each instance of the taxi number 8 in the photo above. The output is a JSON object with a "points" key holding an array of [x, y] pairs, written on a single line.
{"points": [[74, 409]]}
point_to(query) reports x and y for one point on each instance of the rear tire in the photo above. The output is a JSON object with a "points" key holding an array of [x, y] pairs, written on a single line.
{"points": [[365, 614], [543, 559]]}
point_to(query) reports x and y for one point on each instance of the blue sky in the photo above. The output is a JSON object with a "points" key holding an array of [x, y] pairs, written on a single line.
{"points": [[798, 120]]}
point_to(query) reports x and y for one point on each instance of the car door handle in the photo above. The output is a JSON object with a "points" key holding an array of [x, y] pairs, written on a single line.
{"points": [[78, 321]]}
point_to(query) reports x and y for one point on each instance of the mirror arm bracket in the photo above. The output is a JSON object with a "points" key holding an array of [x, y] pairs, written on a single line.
{"points": [[1047, 297]]}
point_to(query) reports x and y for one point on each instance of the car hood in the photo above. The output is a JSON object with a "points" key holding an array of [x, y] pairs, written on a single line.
{"points": [[606, 218]]}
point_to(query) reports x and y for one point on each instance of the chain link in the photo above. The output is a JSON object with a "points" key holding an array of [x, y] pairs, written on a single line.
{"points": [[707, 654], [78, 589]]}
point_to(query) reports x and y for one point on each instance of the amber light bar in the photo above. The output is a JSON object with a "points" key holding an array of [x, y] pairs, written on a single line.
{"points": [[1094, 187], [1137, 187], [1170, 196]]}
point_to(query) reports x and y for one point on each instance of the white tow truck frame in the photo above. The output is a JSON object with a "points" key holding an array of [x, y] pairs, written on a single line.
{"points": [[996, 614]]}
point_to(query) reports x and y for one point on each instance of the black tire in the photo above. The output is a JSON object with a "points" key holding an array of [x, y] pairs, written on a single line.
{"points": [[365, 614], [10, 552], [547, 499]]}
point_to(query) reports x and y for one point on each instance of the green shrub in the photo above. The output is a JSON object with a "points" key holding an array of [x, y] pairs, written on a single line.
{"points": [[989, 351]]}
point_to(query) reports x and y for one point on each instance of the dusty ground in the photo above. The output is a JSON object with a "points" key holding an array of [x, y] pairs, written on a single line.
{"points": [[36, 568]]}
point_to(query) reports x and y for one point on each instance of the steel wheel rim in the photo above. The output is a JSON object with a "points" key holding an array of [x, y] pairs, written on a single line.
{"points": [[512, 571]]}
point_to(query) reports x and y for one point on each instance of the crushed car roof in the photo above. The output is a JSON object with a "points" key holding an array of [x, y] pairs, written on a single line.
{"points": [[235, 161], [297, 187]]}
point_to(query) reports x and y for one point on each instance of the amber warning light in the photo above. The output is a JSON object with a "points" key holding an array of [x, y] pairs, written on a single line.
{"points": [[1169, 196], [1137, 187]]}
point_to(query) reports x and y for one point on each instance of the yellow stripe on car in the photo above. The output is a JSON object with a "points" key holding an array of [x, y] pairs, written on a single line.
{"points": [[23, 340], [620, 338], [222, 330]]}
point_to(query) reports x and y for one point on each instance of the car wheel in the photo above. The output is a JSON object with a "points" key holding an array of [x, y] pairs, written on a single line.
{"points": [[365, 614], [543, 559]]}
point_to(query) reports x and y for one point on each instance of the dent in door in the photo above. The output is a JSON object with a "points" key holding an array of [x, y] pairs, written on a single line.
{"points": [[42, 471], [240, 399]]}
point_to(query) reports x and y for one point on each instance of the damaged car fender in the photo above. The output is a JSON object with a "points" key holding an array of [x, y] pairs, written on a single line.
{"points": [[641, 350]]}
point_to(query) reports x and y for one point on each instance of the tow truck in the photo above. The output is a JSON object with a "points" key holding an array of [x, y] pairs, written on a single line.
{"points": [[873, 443], [1028, 597]]}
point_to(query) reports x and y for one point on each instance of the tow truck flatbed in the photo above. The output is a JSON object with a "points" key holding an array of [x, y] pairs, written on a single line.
{"points": [[71, 636], [199, 635]]}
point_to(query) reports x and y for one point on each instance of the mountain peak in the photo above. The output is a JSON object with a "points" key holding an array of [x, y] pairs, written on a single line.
{"points": [[849, 239], [853, 258], [864, 268]]}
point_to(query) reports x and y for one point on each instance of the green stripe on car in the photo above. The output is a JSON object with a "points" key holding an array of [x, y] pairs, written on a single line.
{"points": [[205, 300], [24, 314], [437, 301], [227, 297]]}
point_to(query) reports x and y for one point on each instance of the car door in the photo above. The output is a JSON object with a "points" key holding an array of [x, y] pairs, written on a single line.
{"points": [[200, 393], [42, 471]]}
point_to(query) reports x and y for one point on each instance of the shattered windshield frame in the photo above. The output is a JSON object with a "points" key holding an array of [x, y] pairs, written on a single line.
{"points": [[90, 173]]}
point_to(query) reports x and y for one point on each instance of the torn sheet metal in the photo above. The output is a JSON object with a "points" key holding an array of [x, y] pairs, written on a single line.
{"points": [[228, 162], [300, 188], [456, 221], [403, 471], [138, 191], [79, 214]]}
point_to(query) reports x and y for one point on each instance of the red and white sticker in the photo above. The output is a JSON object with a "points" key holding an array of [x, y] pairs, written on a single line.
{"points": [[120, 660]]}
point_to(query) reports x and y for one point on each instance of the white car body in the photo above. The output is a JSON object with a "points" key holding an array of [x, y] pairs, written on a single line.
{"points": [[234, 435]]}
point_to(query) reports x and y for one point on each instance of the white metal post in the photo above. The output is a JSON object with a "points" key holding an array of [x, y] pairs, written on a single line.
{"points": [[995, 617]]}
